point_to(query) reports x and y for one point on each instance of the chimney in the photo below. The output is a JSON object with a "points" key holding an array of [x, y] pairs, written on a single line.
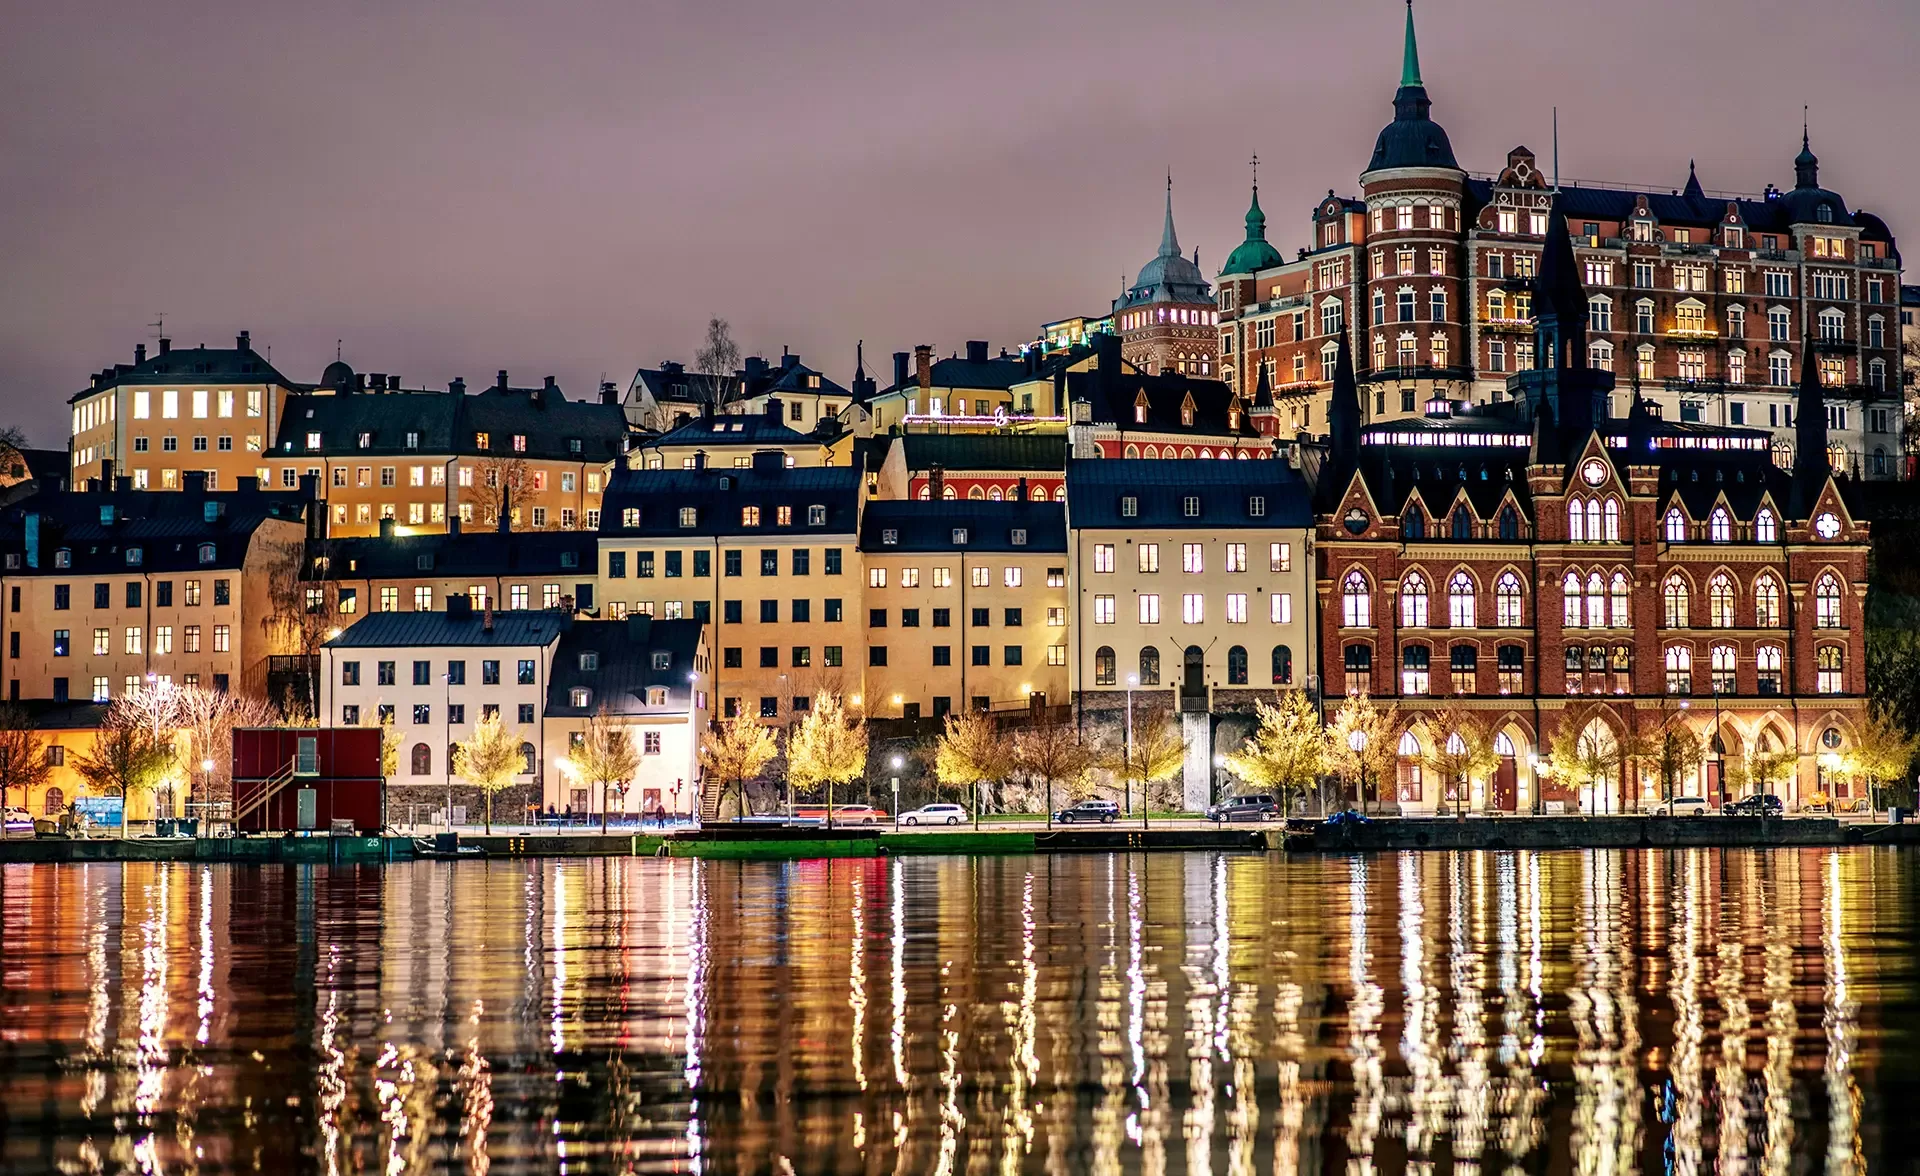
{"points": [[899, 368], [766, 461], [706, 410], [551, 385], [505, 523], [459, 606], [788, 360], [607, 393], [976, 351], [639, 628], [123, 483], [457, 386], [501, 382], [700, 461], [193, 481], [393, 383], [309, 486], [106, 471], [453, 524], [756, 368], [1108, 358], [360, 381], [244, 342], [773, 409], [377, 381], [1022, 491], [386, 528], [923, 365], [139, 353], [486, 619], [166, 345], [936, 483]]}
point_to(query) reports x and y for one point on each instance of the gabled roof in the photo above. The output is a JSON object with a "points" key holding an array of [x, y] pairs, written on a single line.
{"points": [[469, 553], [719, 498], [402, 630], [1044, 452], [187, 367], [1776, 215], [750, 429], [996, 374], [448, 423], [908, 527], [169, 527], [1097, 488], [1114, 398], [626, 667]]}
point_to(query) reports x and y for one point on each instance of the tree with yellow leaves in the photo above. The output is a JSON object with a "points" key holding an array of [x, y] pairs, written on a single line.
{"points": [[734, 752], [605, 756], [1361, 745], [1288, 750], [1461, 745], [829, 747], [970, 752], [1154, 755], [489, 759]]}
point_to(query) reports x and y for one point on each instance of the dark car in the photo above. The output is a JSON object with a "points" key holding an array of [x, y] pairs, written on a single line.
{"points": [[1258, 807], [1104, 811], [1760, 804]]}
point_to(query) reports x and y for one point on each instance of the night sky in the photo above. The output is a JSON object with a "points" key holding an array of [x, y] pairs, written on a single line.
{"points": [[572, 189]]}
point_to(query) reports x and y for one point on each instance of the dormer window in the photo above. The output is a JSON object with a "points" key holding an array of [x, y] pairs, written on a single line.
{"points": [[662, 660], [573, 445], [1233, 417], [1129, 506], [519, 442], [569, 559], [413, 440], [423, 563], [689, 516], [579, 697], [1190, 506], [1186, 411], [656, 696], [1140, 409], [364, 440], [1257, 506], [816, 516], [313, 440], [134, 556], [1019, 537], [63, 558], [959, 536], [589, 659], [889, 536], [207, 554], [482, 441]]}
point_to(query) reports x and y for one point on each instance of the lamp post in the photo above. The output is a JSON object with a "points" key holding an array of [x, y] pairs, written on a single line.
{"points": [[1213, 778], [206, 785], [1357, 744], [1542, 770], [897, 761], [1126, 786]]}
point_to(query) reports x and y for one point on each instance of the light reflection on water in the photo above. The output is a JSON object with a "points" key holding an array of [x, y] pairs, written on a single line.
{"points": [[1693, 1012]]}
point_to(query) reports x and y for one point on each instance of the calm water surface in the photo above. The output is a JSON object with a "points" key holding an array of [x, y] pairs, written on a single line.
{"points": [[1692, 1011]]}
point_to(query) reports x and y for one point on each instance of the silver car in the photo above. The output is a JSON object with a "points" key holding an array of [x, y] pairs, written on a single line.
{"points": [[1683, 806], [934, 814]]}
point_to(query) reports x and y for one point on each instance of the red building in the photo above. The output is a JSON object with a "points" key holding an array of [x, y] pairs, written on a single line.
{"points": [[1559, 573], [307, 778]]}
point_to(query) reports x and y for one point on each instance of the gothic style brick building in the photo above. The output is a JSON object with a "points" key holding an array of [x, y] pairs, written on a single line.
{"points": [[1562, 571], [1167, 320], [1704, 304]]}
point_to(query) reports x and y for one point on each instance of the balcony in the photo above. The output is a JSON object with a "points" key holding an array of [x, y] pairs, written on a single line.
{"points": [[1704, 333], [1507, 326]]}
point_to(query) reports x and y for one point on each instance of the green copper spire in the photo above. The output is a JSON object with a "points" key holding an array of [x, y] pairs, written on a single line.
{"points": [[1410, 63]]}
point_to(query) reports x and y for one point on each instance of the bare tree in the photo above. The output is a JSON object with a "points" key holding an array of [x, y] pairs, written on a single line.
{"points": [[716, 359], [504, 478], [606, 756], [303, 599], [1050, 751], [209, 718]]}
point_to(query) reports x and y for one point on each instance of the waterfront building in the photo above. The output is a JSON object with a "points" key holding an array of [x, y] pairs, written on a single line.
{"points": [[1702, 303], [420, 457], [109, 587], [768, 554], [1564, 571], [1167, 320], [508, 571], [67, 730], [649, 678], [966, 606]]}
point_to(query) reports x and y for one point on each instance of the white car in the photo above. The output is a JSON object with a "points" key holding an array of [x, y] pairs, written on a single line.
{"points": [[17, 820], [1682, 806], [934, 814]]}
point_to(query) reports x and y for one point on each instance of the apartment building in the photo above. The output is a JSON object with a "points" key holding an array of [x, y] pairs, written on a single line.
{"points": [[966, 604], [653, 680], [729, 441], [507, 571], [768, 554]]}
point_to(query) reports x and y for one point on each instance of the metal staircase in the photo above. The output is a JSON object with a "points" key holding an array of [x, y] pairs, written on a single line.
{"points": [[270, 788]]}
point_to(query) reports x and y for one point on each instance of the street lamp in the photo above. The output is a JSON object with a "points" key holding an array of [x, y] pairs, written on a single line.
{"points": [[1357, 744], [1542, 770], [1126, 784], [1213, 780], [897, 761]]}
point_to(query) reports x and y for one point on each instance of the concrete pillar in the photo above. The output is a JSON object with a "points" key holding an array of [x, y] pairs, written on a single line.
{"points": [[1196, 728]]}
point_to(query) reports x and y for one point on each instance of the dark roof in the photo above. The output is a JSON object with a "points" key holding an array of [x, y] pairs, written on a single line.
{"points": [[470, 553], [626, 652], [1114, 395], [1910, 295], [400, 630], [208, 365], [168, 527], [1000, 373], [791, 377], [755, 429], [1096, 487], [1045, 452], [45, 463], [1775, 215], [47, 714], [447, 422], [672, 383], [988, 526], [718, 497]]}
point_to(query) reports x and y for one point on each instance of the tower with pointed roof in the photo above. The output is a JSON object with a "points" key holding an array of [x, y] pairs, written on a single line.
{"points": [[1167, 320]]}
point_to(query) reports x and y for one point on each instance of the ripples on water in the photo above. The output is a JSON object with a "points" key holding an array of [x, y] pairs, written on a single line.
{"points": [[1694, 1011]]}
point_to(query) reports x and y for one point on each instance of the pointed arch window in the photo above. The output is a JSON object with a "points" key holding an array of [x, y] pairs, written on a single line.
{"points": [[1413, 602], [1509, 523], [1460, 611], [1610, 515], [1507, 601], [1724, 661], [1676, 526], [1596, 599], [1766, 602], [1414, 526], [1570, 598], [1576, 521], [1826, 602], [1462, 523], [1140, 409], [1673, 595], [1830, 663], [1356, 602], [1679, 670], [1594, 533], [1766, 662], [1720, 525], [1621, 610], [1720, 601]]}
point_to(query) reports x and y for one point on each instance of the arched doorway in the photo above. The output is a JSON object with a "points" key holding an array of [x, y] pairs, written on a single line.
{"points": [[1597, 753], [1506, 776], [1409, 786], [1194, 678]]}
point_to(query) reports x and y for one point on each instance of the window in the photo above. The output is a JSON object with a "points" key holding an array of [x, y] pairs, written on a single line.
{"points": [[1012, 576], [1829, 667], [1506, 601], [1414, 670], [1766, 603], [1826, 603], [1720, 525], [1129, 506], [1720, 601], [422, 598], [1237, 608], [1148, 557], [1103, 665], [1463, 664], [1193, 608], [1460, 612], [1280, 557], [1149, 608], [1673, 595], [1675, 527], [1356, 602], [1767, 665], [1413, 602], [1679, 670], [1103, 610], [1192, 557], [1190, 506], [1721, 662], [1237, 666]]}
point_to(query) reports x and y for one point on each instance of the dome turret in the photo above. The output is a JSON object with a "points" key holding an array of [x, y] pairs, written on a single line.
{"points": [[1412, 139]]}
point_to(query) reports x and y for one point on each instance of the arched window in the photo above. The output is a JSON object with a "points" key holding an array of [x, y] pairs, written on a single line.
{"points": [[1830, 667], [1282, 665], [1237, 666], [1765, 530], [1723, 661], [1356, 603], [1766, 602], [1720, 525], [1060, 492], [1620, 601], [950, 493], [1414, 526], [1460, 601], [1676, 526], [994, 494], [1679, 670], [1206, 454], [1132, 450], [421, 760], [1826, 602], [1720, 601], [1766, 660], [1039, 494], [1103, 667], [1594, 534], [1612, 516], [1153, 451], [55, 802], [1413, 602], [1596, 599], [1509, 523], [974, 494], [1409, 746], [1149, 666], [1462, 523], [1674, 594], [1570, 597], [527, 758], [1506, 601], [1576, 521]]}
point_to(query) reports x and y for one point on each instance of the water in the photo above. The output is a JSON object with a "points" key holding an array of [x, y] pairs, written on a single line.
{"points": [[1693, 1011]]}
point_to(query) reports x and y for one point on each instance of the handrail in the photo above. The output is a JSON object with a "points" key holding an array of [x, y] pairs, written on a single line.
{"points": [[272, 786]]}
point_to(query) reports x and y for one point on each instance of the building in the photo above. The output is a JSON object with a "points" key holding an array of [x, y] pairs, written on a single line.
{"points": [[989, 466], [308, 778], [1561, 572], [108, 588], [1702, 303], [966, 606], [1071, 332], [730, 440], [512, 571], [768, 554], [1120, 412], [1167, 320], [976, 390], [67, 730], [650, 678], [662, 399], [809, 400], [436, 675], [215, 410], [420, 457]]}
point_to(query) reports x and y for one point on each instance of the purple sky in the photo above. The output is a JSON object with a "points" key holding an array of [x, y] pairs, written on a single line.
{"points": [[572, 189]]}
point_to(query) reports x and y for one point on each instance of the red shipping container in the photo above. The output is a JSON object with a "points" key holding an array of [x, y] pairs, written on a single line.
{"points": [[339, 766]]}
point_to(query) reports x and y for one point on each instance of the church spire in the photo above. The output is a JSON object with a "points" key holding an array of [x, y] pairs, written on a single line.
{"points": [[1169, 240], [1810, 462], [1343, 409], [1806, 165], [1410, 56]]}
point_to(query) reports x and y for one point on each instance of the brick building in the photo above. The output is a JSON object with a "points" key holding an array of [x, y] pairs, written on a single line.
{"points": [[1562, 570], [1703, 304], [1167, 318]]}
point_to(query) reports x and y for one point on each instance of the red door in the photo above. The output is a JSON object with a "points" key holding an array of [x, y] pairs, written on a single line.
{"points": [[1506, 789]]}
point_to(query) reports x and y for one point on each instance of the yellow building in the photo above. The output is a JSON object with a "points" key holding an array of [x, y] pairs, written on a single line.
{"points": [[508, 572], [966, 606], [730, 441], [974, 390]]}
